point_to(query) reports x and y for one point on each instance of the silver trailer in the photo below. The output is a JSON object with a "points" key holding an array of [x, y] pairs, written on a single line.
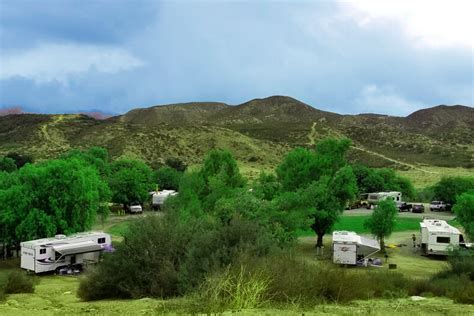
{"points": [[52, 254]]}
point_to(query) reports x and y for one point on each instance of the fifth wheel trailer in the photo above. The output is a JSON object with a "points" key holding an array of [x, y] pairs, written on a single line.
{"points": [[50, 254]]}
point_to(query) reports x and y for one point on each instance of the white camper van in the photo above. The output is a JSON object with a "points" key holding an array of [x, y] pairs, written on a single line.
{"points": [[349, 248], [374, 198], [50, 254], [159, 198], [438, 237]]}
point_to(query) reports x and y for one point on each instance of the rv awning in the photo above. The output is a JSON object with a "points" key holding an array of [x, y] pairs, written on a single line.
{"points": [[367, 245], [77, 248]]}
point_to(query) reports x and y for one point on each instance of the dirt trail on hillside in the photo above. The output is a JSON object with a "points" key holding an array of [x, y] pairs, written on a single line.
{"points": [[312, 141], [52, 136]]}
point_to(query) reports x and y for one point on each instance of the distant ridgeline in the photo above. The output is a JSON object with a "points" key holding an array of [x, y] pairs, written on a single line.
{"points": [[258, 132]]}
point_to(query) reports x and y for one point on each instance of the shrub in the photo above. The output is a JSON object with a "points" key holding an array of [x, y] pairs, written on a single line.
{"points": [[166, 257], [212, 250], [19, 282]]}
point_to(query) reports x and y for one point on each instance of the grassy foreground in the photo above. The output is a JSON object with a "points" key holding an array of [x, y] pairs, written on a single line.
{"points": [[56, 295]]}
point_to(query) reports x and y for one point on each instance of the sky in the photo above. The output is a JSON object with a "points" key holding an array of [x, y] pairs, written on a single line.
{"points": [[365, 56]]}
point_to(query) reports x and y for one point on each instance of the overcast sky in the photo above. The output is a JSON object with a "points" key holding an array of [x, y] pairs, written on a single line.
{"points": [[390, 57]]}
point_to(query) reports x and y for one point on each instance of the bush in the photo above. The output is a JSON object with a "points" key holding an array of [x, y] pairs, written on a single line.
{"points": [[19, 282], [166, 257]]}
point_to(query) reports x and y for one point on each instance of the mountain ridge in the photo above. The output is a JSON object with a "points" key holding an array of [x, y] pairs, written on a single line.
{"points": [[258, 131]]}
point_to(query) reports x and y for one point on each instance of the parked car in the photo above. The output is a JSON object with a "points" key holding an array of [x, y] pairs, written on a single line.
{"points": [[135, 207], [418, 208], [438, 206], [404, 207]]}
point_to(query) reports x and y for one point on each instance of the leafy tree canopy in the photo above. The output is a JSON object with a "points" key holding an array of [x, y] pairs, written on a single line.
{"points": [[464, 210], [130, 181], [448, 188], [7, 164], [167, 178], [56, 196], [319, 183], [382, 221]]}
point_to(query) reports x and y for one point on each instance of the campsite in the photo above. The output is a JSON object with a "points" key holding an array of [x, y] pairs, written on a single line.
{"points": [[236, 157]]}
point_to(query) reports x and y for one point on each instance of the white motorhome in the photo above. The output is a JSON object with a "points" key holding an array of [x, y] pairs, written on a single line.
{"points": [[374, 198], [438, 237], [159, 197], [50, 254], [350, 248]]}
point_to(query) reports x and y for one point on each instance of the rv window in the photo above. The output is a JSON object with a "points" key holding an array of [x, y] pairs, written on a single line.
{"points": [[57, 255], [101, 240], [42, 251], [442, 240]]}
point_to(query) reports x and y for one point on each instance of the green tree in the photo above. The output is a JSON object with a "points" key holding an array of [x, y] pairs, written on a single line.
{"points": [[221, 176], [94, 156], [266, 186], [57, 196], [7, 164], [320, 183], [382, 221], [176, 164], [382, 179], [464, 210], [448, 188], [220, 163], [167, 178], [130, 181], [20, 160], [298, 169]]}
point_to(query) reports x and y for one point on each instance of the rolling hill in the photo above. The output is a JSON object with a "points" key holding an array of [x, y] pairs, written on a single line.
{"points": [[259, 132]]}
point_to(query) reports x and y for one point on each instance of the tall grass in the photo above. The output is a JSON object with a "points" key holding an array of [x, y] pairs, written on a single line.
{"points": [[235, 291], [285, 280]]}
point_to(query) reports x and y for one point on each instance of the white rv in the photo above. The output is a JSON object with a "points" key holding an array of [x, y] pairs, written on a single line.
{"points": [[350, 248], [438, 237], [159, 197], [50, 254], [374, 198]]}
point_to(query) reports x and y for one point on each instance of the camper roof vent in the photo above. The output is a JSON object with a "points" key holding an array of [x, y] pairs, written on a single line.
{"points": [[60, 236]]}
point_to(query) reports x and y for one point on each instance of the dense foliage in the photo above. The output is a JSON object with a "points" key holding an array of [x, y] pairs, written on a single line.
{"points": [[382, 179], [318, 183], [464, 210], [130, 181], [165, 257], [7, 164], [167, 178], [449, 188], [56, 196]]}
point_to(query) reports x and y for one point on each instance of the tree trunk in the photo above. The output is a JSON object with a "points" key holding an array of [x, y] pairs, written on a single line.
{"points": [[382, 244], [319, 241]]}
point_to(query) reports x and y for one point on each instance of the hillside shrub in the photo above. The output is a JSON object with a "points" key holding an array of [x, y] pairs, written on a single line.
{"points": [[19, 282]]}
